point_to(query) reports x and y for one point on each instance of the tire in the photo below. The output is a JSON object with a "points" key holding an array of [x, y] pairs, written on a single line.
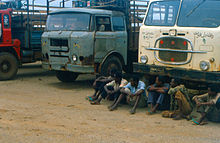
{"points": [[111, 63], [214, 115], [8, 66], [66, 76]]}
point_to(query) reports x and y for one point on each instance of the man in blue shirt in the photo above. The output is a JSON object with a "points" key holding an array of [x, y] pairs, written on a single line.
{"points": [[156, 93], [135, 94]]}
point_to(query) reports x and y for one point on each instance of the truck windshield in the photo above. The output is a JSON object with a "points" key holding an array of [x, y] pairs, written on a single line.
{"points": [[162, 13], [199, 13], [68, 22]]}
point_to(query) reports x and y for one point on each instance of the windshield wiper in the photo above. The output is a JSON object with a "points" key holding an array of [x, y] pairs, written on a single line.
{"points": [[198, 5]]}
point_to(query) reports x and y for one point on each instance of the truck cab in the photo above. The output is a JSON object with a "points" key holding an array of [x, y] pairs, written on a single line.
{"points": [[9, 47], [84, 40], [180, 38]]}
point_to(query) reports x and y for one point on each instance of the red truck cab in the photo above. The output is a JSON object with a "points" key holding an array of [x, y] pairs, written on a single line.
{"points": [[9, 48]]}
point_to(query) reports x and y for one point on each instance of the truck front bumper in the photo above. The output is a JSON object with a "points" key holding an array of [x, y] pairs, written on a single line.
{"points": [[68, 67], [193, 75]]}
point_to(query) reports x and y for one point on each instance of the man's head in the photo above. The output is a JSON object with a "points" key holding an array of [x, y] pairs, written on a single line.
{"points": [[118, 77], [212, 89], [112, 72], [175, 82], [134, 81], [160, 80]]}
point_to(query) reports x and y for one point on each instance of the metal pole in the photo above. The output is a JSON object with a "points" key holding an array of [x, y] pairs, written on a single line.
{"points": [[48, 7], [28, 26], [33, 6], [134, 29], [63, 3]]}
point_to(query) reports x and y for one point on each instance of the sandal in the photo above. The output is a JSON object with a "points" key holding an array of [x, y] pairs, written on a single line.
{"points": [[149, 112], [90, 98], [112, 109], [132, 111], [95, 103], [195, 122]]}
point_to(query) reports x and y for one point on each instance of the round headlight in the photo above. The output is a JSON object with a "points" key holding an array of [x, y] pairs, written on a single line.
{"points": [[204, 65], [74, 58], [144, 59]]}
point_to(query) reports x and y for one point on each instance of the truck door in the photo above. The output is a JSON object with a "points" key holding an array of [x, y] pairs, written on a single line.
{"points": [[104, 37], [120, 31]]}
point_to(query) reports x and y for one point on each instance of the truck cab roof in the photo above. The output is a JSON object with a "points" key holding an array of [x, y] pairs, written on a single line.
{"points": [[87, 10]]}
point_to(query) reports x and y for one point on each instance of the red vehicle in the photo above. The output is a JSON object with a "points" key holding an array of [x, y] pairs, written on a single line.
{"points": [[10, 54], [20, 40]]}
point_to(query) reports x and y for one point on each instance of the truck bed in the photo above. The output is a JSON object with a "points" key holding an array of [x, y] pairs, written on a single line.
{"points": [[29, 30]]}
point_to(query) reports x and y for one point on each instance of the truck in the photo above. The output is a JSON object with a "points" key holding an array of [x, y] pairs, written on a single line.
{"points": [[180, 39], [20, 38], [92, 40]]}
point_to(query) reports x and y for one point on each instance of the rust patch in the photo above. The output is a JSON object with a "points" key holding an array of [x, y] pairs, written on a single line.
{"points": [[88, 60]]}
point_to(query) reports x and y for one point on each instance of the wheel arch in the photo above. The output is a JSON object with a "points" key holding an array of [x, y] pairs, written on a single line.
{"points": [[115, 54], [9, 50]]}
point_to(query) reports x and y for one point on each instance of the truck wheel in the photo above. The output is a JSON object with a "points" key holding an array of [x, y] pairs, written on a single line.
{"points": [[66, 76], [111, 63], [8, 66], [214, 115]]}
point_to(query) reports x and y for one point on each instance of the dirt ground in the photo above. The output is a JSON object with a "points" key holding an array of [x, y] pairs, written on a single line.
{"points": [[37, 108]]}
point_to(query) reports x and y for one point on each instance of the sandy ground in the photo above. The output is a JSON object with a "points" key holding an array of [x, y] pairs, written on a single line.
{"points": [[37, 108]]}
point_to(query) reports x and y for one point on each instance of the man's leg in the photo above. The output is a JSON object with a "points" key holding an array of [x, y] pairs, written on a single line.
{"points": [[159, 102], [180, 111], [96, 96], [150, 100], [97, 85], [115, 105], [184, 108], [203, 115], [133, 110], [116, 96], [115, 100], [100, 89]]}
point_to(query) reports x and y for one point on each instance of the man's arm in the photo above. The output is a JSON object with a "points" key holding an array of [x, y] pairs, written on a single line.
{"points": [[152, 88], [210, 103], [139, 92], [162, 90], [106, 89], [198, 103]]}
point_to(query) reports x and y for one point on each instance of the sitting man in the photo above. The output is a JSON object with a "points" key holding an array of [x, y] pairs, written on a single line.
{"points": [[156, 94], [99, 84], [180, 100], [206, 103], [135, 94], [112, 88]]}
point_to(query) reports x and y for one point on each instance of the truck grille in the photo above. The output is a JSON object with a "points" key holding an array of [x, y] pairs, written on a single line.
{"points": [[59, 42], [173, 43]]}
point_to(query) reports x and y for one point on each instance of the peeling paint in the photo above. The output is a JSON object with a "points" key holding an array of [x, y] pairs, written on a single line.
{"points": [[204, 35], [148, 35]]}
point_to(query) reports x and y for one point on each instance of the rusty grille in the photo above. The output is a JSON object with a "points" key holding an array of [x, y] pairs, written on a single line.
{"points": [[173, 43], [59, 42]]}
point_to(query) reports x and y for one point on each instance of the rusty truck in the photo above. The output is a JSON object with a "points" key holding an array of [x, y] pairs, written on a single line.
{"points": [[92, 40]]}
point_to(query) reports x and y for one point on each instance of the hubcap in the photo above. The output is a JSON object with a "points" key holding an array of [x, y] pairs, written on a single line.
{"points": [[5, 66]]}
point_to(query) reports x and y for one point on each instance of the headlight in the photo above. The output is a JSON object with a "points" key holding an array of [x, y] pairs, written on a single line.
{"points": [[74, 58], [204, 65], [144, 59]]}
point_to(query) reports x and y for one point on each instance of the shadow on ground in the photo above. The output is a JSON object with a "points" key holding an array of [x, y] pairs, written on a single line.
{"points": [[78, 84], [33, 71]]}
